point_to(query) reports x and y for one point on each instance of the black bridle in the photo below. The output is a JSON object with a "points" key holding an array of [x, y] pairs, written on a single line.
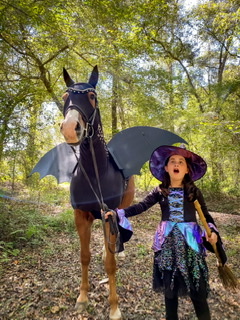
{"points": [[87, 111]]}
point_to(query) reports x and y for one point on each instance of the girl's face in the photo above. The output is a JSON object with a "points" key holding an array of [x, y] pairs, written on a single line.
{"points": [[176, 168]]}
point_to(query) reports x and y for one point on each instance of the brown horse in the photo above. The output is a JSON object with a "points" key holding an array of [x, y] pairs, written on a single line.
{"points": [[97, 182]]}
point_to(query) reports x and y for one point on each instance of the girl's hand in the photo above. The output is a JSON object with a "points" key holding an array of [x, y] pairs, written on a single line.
{"points": [[119, 212], [109, 213], [213, 238]]}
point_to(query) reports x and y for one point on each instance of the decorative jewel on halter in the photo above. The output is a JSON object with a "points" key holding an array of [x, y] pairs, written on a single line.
{"points": [[75, 90]]}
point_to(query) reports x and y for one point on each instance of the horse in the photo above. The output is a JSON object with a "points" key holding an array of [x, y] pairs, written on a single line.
{"points": [[97, 182]]}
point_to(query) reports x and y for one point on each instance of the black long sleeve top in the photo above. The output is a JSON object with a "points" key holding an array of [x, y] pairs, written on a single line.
{"points": [[155, 196]]}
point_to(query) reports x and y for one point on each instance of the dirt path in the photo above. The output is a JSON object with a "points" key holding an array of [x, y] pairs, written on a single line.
{"points": [[43, 282]]}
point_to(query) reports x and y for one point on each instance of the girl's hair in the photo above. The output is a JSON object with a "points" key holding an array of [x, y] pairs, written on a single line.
{"points": [[188, 184]]}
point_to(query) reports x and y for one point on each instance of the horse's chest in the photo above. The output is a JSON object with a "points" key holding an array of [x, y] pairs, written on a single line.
{"points": [[85, 193]]}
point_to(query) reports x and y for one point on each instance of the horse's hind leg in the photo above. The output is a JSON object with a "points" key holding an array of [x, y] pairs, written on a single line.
{"points": [[83, 221], [110, 267]]}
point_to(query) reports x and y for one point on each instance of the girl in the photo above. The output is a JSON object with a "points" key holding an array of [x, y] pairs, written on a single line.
{"points": [[179, 264]]}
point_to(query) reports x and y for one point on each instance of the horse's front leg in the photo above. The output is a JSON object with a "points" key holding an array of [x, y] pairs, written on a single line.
{"points": [[110, 267], [83, 221]]}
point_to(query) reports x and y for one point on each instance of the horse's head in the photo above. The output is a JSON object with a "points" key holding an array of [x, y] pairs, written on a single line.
{"points": [[80, 107]]}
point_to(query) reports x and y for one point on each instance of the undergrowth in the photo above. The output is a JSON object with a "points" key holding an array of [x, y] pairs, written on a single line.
{"points": [[27, 225], [29, 218]]}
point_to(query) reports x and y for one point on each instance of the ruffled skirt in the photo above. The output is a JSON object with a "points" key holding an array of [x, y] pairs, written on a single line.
{"points": [[178, 269]]}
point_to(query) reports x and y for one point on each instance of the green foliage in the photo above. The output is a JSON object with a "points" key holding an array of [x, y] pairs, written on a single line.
{"points": [[30, 221], [64, 222], [26, 224], [146, 181], [7, 251], [142, 250]]}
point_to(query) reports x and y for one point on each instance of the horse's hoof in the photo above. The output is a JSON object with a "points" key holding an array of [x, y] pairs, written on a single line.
{"points": [[116, 315], [121, 255], [81, 306]]}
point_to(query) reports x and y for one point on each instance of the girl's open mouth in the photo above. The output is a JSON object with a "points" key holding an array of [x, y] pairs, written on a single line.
{"points": [[176, 170]]}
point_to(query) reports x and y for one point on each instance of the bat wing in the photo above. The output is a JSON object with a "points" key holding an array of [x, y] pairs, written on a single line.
{"points": [[132, 147], [58, 162]]}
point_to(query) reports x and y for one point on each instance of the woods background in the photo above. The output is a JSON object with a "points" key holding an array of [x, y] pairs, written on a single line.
{"points": [[168, 64]]}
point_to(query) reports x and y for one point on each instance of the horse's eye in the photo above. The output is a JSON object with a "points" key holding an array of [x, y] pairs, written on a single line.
{"points": [[65, 96], [92, 96]]}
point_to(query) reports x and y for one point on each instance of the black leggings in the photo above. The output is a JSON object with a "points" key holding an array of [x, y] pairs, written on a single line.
{"points": [[200, 306]]}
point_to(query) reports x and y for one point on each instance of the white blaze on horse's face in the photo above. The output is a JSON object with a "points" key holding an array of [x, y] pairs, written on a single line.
{"points": [[73, 126]]}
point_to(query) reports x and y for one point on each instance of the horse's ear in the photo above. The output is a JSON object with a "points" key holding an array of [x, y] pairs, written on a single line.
{"points": [[69, 82], [93, 80]]}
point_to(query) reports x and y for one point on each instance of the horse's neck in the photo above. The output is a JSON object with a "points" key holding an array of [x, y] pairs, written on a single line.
{"points": [[96, 148]]}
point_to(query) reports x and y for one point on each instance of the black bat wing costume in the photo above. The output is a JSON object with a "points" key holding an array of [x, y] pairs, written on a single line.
{"points": [[128, 149]]}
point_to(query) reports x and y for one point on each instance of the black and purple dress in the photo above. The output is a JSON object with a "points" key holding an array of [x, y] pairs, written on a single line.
{"points": [[179, 255]]}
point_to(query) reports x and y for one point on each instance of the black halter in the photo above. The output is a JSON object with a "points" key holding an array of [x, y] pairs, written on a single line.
{"points": [[83, 106]]}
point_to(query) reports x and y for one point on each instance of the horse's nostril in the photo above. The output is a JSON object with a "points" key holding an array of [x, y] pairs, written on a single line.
{"points": [[77, 128]]}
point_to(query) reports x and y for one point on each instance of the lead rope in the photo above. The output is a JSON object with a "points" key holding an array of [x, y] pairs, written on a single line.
{"points": [[112, 221], [114, 230]]}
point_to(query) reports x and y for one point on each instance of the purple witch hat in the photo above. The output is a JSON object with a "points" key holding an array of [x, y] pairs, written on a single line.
{"points": [[160, 156]]}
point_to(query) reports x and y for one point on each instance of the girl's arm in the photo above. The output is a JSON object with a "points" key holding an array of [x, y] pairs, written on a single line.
{"points": [[215, 234], [151, 199], [215, 237]]}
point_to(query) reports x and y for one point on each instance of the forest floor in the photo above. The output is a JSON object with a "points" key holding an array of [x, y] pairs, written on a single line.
{"points": [[42, 282]]}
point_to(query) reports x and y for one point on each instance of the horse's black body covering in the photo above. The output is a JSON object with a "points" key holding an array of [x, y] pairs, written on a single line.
{"points": [[85, 179], [112, 185], [116, 162]]}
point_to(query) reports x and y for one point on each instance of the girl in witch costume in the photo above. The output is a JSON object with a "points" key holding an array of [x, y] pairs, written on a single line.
{"points": [[179, 254]]}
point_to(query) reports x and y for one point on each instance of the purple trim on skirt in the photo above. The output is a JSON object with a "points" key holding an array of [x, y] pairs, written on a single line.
{"points": [[190, 230]]}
